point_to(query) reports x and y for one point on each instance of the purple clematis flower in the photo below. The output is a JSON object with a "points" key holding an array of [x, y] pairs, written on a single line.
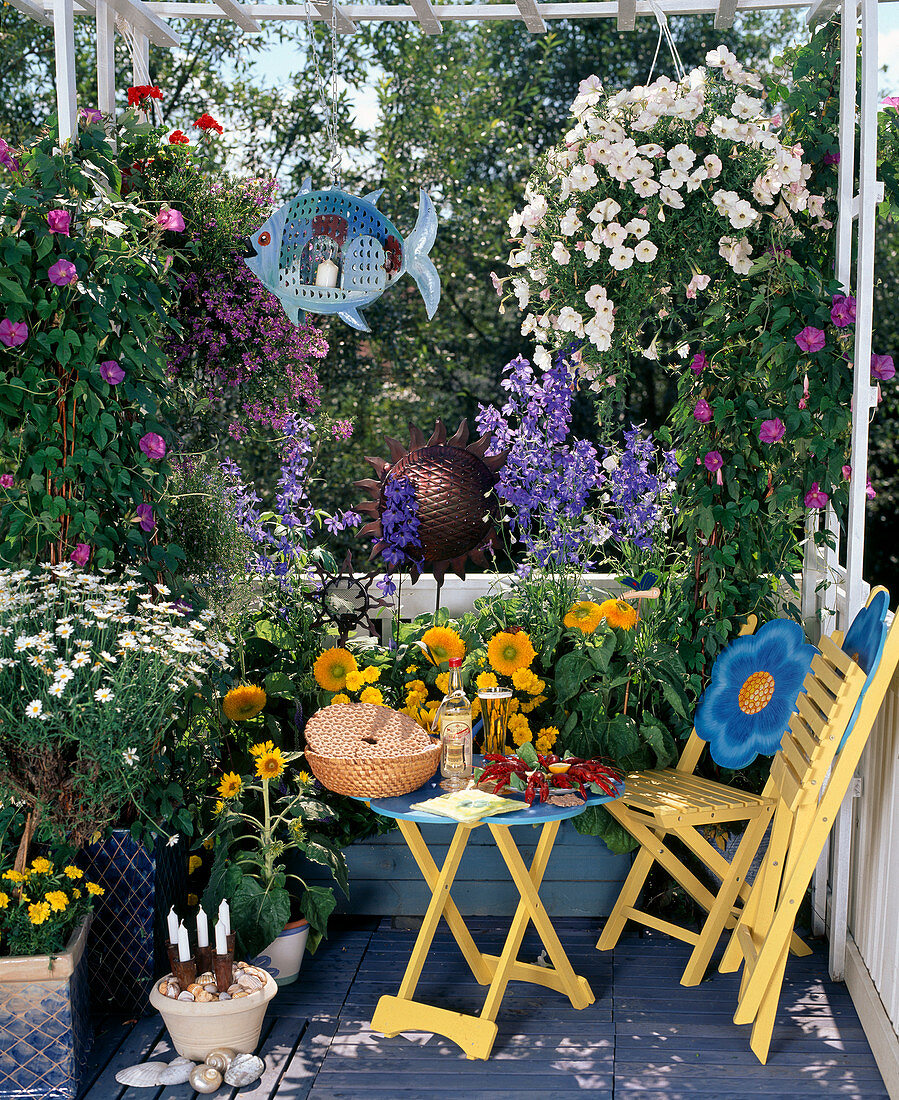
{"points": [[63, 273], [810, 339], [816, 497], [59, 221], [152, 445], [772, 431], [13, 333], [702, 411], [111, 372]]}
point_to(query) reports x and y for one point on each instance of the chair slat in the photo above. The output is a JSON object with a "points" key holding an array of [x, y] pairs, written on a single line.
{"points": [[788, 783], [824, 672], [802, 735], [811, 714], [835, 656], [799, 762], [816, 691]]}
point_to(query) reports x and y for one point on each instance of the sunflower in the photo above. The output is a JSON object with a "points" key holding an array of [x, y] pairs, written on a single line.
{"points": [[585, 615], [372, 695], [331, 668], [508, 652], [244, 702], [618, 613], [442, 644], [219, 806], [270, 765], [263, 746], [230, 785]]}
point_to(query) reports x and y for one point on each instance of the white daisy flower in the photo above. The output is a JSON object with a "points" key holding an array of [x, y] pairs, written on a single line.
{"points": [[103, 695], [57, 689], [34, 708], [130, 757]]}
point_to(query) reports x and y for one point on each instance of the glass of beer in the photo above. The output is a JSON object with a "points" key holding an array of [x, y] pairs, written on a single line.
{"points": [[495, 715]]}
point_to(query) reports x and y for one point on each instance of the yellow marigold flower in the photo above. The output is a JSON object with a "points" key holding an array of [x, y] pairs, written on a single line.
{"points": [[94, 890], [619, 613], [584, 616], [331, 668], [38, 912], [520, 731], [354, 681], [443, 644], [476, 707], [192, 899], [194, 864], [57, 899], [532, 704], [14, 876], [514, 705], [230, 785], [41, 866], [244, 702], [263, 746], [486, 680], [372, 674], [372, 695], [508, 652], [4, 900], [549, 734], [543, 744], [270, 765], [417, 686], [442, 683], [76, 893], [73, 872], [341, 699]]}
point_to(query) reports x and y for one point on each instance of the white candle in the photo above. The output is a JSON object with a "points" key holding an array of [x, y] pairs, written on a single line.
{"points": [[327, 273], [202, 929], [225, 917], [183, 944], [221, 944], [173, 925]]}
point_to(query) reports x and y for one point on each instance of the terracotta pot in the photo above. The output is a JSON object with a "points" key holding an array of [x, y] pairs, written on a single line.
{"points": [[45, 1028], [196, 1029], [284, 956]]}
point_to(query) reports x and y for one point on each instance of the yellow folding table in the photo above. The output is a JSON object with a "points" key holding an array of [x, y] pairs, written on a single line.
{"points": [[476, 1034]]}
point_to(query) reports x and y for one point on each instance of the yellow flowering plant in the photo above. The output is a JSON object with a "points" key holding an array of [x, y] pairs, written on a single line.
{"points": [[263, 822], [41, 905]]}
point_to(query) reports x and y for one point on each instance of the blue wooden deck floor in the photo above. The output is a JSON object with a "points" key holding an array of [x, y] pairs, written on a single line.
{"points": [[645, 1037]]}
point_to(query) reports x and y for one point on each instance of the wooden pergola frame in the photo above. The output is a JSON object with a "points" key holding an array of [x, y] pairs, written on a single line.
{"points": [[148, 23]]}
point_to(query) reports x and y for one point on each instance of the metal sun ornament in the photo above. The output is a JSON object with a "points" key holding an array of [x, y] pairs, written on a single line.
{"points": [[329, 251], [345, 599], [453, 480]]}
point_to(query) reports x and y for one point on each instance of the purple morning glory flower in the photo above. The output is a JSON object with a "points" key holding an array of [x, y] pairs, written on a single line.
{"points": [[882, 368], [146, 519], [153, 446], [772, 431], [170, 219], [81, 554], [816, 497], [59, 221], [699, 362], [13, 333], [713, 461], [63, 273], [842, 312], [111, 372], [702, 411], [810, 339]]}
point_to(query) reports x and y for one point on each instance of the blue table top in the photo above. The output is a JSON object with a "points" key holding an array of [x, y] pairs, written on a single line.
{"points": [[537, 814]]}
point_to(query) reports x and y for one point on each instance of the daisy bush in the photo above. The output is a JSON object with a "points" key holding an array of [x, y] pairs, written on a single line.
{"points": [[92, 671]]}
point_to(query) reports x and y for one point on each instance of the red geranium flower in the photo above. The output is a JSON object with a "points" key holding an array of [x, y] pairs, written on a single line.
{"points": [[140, 92], [178, 137], [207, 122]]}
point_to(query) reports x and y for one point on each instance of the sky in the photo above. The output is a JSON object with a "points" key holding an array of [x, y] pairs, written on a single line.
{"points": [[888, 46]]}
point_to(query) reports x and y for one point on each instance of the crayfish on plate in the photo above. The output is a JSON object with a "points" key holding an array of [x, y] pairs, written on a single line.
{"points": [[540, 778]]}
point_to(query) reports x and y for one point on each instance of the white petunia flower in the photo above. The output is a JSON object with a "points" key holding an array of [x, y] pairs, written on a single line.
{"points": [[592, 251], [746, 106], [742, 214], [542, 358], [673, 178], [645, 252], [725, 127], [638, 227], [614, 235], [570, 321], [682, 157], [720, 56], [515, 222], [671, 198], [605, 211], [34, 708], [621, 258], [645, 186], [569, 223], [560, 253], [582, 177], [595, 295], [598, 335]]}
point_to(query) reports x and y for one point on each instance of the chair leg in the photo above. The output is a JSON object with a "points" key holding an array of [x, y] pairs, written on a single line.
{"points": [[629, 893], [763, 1026]]}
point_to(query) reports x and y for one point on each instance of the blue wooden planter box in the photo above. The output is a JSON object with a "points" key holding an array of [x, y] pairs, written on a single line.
{"points": [[45, 1028], [583, 878]]}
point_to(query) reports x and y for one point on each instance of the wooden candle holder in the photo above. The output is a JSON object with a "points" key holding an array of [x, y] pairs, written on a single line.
{"points": [[204, 959], [223, 968], [185, 972]]}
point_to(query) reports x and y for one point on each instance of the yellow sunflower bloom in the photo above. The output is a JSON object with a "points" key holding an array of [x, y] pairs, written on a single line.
{"points": [[372, 674], [354, 681], [4, 900], [619, 613], [194, 864], [38, 912], [508, 652], [372, 695], [270, 765], [94, 890], [73, 872], [341, 699], [230, 785], [442, 683], [487, 680], [584, 616], [57, 899], [41, 866], [244, 702], [332, 667], [443, 644], [263, 746], [218, 807], [304, 777]]}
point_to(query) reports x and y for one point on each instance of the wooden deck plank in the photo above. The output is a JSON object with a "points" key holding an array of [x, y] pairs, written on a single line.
{"points": [[135, 1047]]}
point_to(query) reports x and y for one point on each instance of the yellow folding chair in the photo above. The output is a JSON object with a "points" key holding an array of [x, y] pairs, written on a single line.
{"points": [[677, 803], [820, 740]]}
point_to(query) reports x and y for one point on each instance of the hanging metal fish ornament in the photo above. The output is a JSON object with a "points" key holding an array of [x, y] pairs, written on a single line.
{"points": [[331, 252]]}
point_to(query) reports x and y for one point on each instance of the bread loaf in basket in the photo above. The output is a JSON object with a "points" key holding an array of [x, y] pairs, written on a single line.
{"points": [[369, 751]]}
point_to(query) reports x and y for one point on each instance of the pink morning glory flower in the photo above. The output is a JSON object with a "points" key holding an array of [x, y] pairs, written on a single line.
{"points": [[63, 273], [810, 339], [6, 157], [702, 411], [890, 101], [145, 517], [698, 362], [90, 115], [713, 463], [816, 497], [772, 431], [60, 221], [842, 312], [152, 445], [170, 219], [869, 490], [6, 481], [81, 554], [13, 333], [111, 372], [846, 471], [882, 368]]}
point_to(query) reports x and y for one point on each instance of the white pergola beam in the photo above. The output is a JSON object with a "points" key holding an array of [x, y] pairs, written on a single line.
{"points": [[26, 7], [724, 16], [531, 17], [427, 17], [64, 56], [327, 9], [105, 17], [627, 15], [143, 17], [821, 11], [237, 13]]}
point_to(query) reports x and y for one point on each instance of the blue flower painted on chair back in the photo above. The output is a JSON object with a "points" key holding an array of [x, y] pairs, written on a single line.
{"points": [[864, 643], [756, 681]]}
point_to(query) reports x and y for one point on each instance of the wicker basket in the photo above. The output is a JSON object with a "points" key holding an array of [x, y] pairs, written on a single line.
{"points": [[368, 751]]}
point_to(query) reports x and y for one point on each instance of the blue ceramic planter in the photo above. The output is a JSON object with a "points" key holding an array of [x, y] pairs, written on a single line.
{"points": [[126, 948], [45, 1029]]}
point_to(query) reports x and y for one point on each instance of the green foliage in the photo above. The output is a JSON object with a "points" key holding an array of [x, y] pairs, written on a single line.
{"points": [[69, 439]]}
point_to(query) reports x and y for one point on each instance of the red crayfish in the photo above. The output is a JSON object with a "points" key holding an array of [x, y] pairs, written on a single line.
{"points": [[540, 781]]}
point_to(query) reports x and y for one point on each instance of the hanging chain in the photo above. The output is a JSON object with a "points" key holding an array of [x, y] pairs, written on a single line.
{"points": [[329, 109]]}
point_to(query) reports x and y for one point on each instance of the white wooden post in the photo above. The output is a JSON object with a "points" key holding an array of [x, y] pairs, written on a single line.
{"points": [[863, 398], [105, 17], [140, 61], [64, 50]]}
